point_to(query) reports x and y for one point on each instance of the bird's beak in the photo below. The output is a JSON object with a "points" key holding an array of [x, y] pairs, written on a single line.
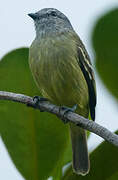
{"points": [[33, 15]]}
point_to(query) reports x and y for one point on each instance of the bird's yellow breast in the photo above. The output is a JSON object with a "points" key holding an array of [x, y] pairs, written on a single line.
{"points": [[55, 68]]}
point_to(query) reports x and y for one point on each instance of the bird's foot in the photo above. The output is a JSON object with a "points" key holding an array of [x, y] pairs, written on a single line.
{"points": [[37, 100], [64, 109]]}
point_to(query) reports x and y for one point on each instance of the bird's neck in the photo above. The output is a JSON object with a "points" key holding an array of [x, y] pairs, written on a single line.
{"points": [[45, 30]]}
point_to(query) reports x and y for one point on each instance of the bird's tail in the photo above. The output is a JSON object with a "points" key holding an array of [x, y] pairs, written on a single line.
{"points": [[81, 164]]}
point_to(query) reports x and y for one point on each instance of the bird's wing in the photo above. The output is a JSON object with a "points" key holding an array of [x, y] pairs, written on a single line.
{"points": [[86, 67]]}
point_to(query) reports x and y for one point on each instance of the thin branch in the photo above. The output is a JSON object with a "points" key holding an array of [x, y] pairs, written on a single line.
{"points": [[70, 116]]}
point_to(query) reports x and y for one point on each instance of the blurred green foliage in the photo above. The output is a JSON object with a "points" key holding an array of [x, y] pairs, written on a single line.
{"points": [[105, 43], [39, 143]]}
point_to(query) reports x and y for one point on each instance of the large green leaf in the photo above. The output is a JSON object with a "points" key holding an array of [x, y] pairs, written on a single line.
{"points": [[105, 43], [114, 177], [38, 143], [104, 164]]}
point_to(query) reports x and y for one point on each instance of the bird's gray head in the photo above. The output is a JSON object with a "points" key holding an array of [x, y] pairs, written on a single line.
{"points": [[50, 20]]}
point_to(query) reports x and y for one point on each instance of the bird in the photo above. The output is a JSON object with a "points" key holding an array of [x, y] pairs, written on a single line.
{"points": [[63, 72]]}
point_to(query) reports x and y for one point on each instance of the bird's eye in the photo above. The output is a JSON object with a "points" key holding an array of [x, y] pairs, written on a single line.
{"points": [[53, 13]]}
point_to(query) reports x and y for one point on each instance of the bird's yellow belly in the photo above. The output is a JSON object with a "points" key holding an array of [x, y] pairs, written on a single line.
{"points": [[59, 77], [62, 82]]}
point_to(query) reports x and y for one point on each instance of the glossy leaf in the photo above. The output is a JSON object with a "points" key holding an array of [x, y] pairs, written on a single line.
{"points": [[105, 43], [38, 143], [104, 164]]}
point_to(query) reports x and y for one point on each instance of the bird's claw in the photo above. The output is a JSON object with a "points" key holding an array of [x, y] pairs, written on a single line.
{"points": [[63, 110], [37, 100]]}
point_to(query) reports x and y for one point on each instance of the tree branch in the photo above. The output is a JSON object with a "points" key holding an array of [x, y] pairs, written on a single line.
{"points": [[70, 116]]}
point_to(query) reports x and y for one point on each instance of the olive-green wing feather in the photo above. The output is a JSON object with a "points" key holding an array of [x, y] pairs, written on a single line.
{"points": [[86, 68]]}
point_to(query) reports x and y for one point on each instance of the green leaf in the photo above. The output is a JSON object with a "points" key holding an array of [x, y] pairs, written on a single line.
{"points": [[105, 43], [104, 164], [114, 177], [38, 143]]}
